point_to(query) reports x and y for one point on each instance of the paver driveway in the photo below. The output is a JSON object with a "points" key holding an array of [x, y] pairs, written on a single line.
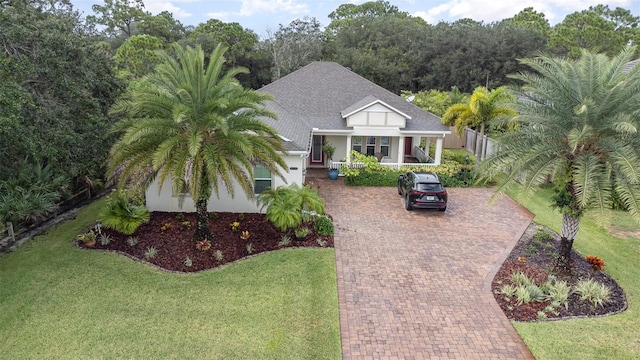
{"points": [[416, 285]]}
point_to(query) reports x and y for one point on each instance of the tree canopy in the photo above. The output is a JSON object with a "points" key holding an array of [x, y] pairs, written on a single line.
{"points": [[57, 86], [578, 126]]}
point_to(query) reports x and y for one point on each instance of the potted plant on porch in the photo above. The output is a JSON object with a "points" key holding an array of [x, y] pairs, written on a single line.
{"points": [[329, 150]]}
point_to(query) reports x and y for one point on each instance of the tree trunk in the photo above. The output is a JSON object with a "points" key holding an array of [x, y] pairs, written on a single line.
{"points": [[202, 224], [570, 227]]}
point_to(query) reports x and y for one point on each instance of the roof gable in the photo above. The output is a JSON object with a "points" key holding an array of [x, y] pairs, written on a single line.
{"points": [[368, 102]]}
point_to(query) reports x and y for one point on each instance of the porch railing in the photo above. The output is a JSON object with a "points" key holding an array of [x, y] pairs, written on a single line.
{"points": [[395, 166]]}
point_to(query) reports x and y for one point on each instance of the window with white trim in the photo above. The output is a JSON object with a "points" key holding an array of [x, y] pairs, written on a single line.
{"points": [[371, 145], [356, 143], [384, 145], [262, 178]]}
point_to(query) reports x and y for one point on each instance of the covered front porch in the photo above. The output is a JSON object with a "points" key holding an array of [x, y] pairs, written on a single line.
{"points": [[393, 150]]}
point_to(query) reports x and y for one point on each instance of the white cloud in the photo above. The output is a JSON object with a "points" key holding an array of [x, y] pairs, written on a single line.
{"points": [[488, 11], [251, 7], [158, 6], [223, 16]]}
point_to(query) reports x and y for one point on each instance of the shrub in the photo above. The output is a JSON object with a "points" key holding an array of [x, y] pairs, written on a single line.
{"points": [[523, 296], [542, 235], [120, 215], [593, 292], [597, 264], [520, 279], [301, 232], [30, 195], [286, 204], [457, 156], [558, 293], [450, 174], [324, 226], [535, 293], [508, 290], [369, 178]]}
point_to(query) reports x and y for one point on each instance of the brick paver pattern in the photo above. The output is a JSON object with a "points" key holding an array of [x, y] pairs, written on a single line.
{"points": [[416, 285]]}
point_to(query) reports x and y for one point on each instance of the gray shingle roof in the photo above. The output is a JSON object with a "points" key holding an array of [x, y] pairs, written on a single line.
{"points": [[315, 96]]}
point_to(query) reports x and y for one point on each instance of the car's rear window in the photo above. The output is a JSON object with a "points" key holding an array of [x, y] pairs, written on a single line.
{"points": [[429, 187]]}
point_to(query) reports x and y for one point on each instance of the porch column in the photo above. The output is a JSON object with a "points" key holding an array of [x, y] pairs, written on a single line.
{"points": [[400, 151], [348, 150], [438, 150], [427, 141]]}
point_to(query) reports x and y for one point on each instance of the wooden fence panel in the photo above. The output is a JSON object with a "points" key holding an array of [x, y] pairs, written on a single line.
{"points": [[453, 141], [7, 241]]}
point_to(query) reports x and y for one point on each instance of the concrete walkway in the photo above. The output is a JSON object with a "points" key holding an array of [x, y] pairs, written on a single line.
{"points": [[416, 285]]}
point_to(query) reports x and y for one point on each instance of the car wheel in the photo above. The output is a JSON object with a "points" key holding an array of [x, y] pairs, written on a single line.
{"points": [[443, 209], [399, 189], [407, 203]]}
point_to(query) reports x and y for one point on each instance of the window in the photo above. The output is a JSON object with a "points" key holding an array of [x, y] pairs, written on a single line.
{"points": [[384, 145], [371, 145], [357, 143], [262, 177]]}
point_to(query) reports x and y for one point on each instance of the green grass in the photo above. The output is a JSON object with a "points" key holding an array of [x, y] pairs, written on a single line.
{"points": [[61, 302], [611, 337]]}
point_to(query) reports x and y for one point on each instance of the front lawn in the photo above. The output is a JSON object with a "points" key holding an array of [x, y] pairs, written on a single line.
{"points": [[62, 302], [610, 337]]}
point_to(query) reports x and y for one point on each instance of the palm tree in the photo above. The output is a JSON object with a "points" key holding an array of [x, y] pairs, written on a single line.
{"points": [[484, 107], [579, 123], [197, 126]]}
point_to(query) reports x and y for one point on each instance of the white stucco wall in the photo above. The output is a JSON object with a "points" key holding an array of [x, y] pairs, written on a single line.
{"points": [[166, 201]]}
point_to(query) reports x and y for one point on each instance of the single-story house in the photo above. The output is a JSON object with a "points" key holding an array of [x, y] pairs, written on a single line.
{"points": [[326, 102]]}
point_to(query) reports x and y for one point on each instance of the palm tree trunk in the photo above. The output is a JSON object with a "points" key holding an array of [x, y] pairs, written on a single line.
{"points": [[570, 227], [202, 223]]}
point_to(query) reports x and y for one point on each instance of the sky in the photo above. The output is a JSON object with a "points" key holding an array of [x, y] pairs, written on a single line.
{"points": [[263, 15]]}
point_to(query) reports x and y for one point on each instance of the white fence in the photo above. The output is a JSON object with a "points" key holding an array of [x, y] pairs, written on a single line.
{"points": [[394, 166]]}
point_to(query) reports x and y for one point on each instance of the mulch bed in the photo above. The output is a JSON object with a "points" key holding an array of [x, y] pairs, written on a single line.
{"points": [[535, 259], [174, 243]]}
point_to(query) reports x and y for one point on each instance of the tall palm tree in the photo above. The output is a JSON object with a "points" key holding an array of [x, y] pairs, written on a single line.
{"points": [[195, 125], [484, 107], [579, 122]]}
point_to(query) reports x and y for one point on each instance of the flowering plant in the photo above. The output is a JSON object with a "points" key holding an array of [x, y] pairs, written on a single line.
{"points": [[203, 245], [597, 264], [234, 226], [244, 235]]}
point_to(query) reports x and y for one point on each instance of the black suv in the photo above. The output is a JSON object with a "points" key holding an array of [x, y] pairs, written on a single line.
{"points": [[422, 190]]}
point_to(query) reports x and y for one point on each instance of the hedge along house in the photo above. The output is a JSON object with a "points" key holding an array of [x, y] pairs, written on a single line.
{"points": [[326, 102]]}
